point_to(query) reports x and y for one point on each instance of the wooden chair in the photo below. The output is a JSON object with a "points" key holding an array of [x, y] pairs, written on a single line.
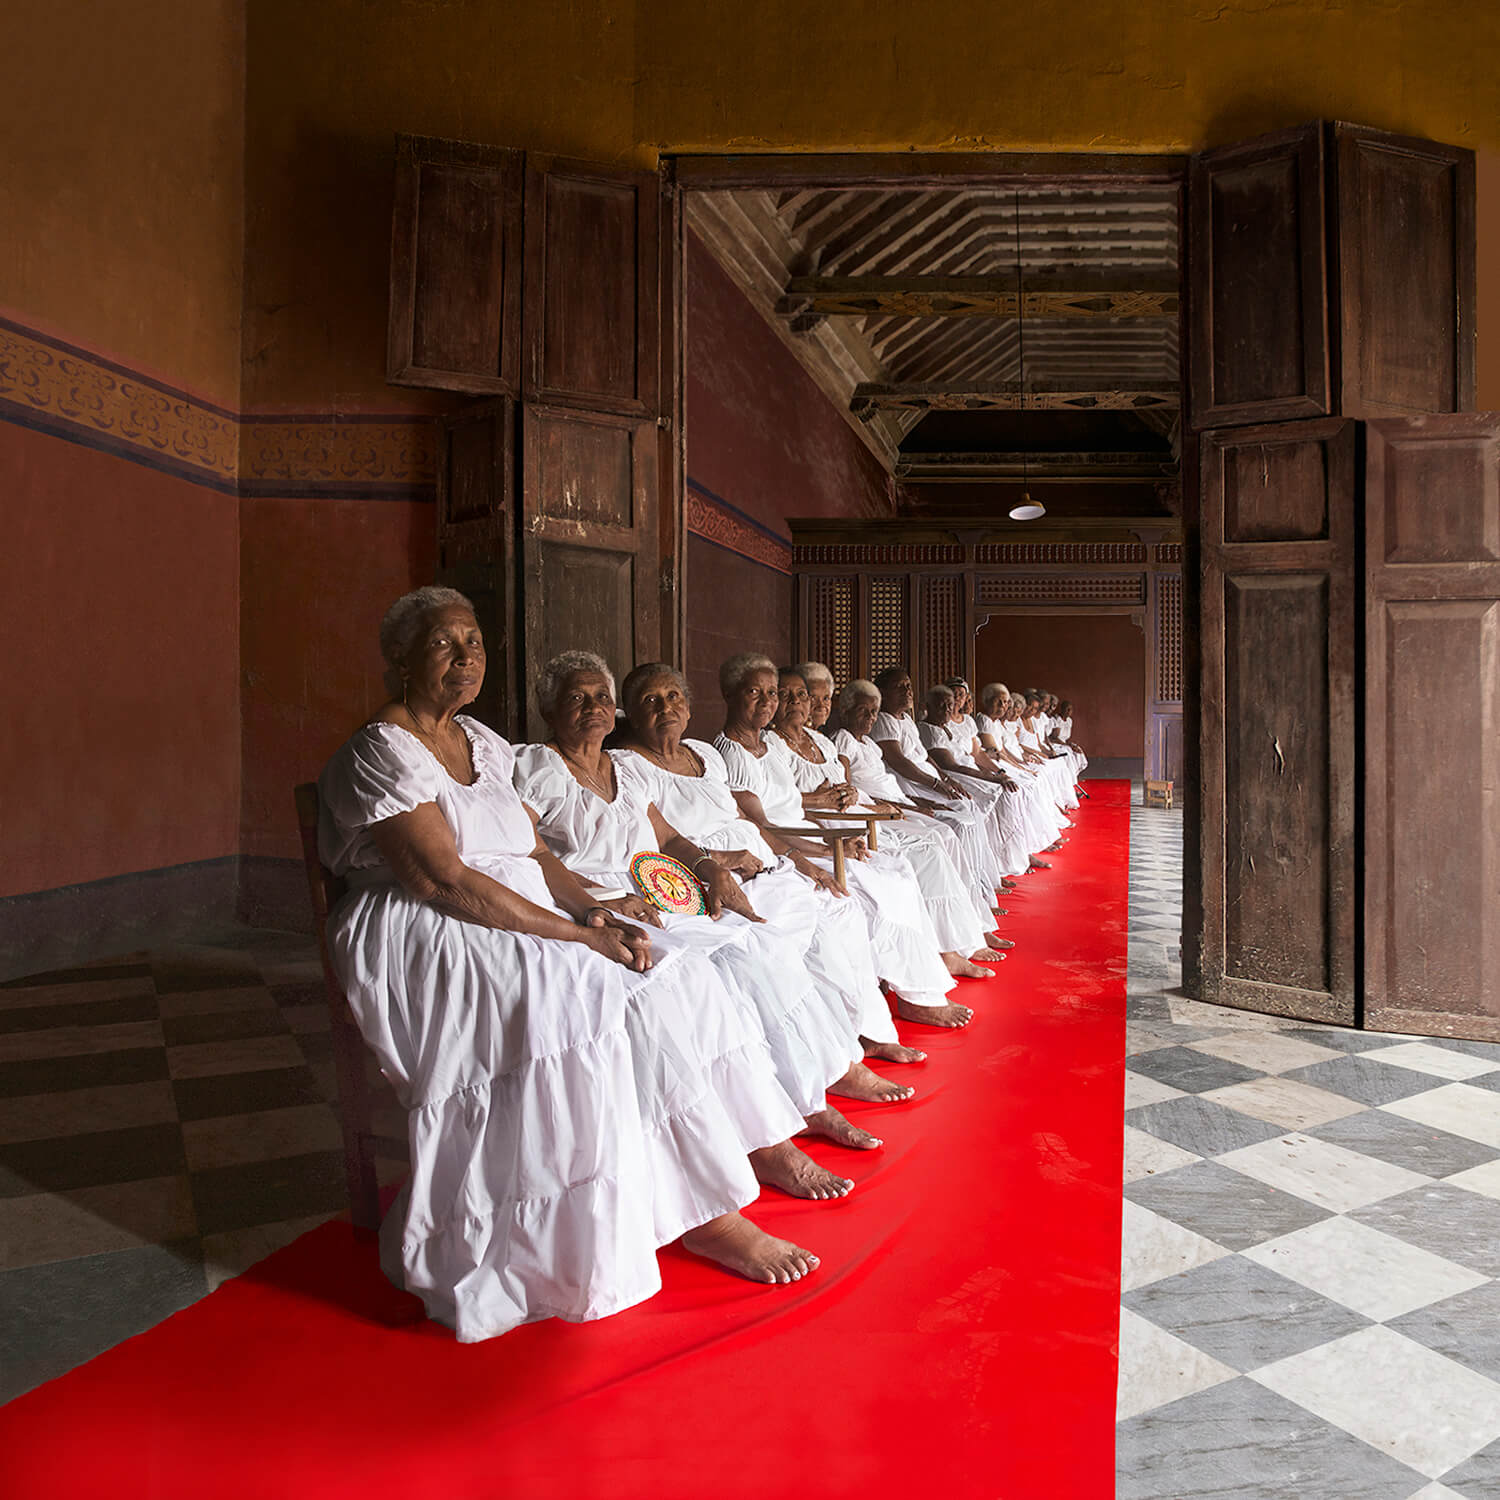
{"points": [[362, 1142], [1158, 794], [835, 838]]}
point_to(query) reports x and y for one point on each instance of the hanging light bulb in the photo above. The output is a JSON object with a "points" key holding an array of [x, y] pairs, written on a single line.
{"points": [[1028, 509]]}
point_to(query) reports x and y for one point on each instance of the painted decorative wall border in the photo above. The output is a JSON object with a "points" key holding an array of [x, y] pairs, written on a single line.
{"points": [[717, 521], [82, 397]]}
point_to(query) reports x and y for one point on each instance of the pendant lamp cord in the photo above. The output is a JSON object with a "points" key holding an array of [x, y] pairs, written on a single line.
{"points": [[1021, 352]]}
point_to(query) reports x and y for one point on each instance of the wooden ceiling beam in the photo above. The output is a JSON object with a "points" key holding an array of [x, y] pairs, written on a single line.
{"points": [[1008, 395], [1083, 296], [1035, 468]]}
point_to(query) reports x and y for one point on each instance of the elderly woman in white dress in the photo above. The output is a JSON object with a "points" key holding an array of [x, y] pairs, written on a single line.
{"points": [[906, 949], [596, 812], [859, 707], [818, 768], [575, 1102], [998, 746], [690, 786], [1055, 771]]}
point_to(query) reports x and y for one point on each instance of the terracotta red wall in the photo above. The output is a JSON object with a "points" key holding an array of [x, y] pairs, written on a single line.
{"points": [[119, 613], [317, 576], [1099, 661], [763, 443]]}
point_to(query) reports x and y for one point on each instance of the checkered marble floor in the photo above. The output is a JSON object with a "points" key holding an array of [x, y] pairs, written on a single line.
{"points": [[164, 1123], [1311, 1256]]}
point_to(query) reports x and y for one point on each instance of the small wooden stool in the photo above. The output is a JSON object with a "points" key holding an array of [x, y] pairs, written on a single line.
{"points": [[1158, 794]]}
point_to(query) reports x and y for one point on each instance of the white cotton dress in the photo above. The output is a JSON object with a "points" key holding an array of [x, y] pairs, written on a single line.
{"points": [[964, 838], [839, 956], [907, 954], [924, 845], [1044, 819], [566, 1116], [808, 1033], [1054, 771], [901, 730]]}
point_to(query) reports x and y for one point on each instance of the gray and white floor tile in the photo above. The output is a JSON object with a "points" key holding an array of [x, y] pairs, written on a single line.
{"points": [[1311, 1250]]}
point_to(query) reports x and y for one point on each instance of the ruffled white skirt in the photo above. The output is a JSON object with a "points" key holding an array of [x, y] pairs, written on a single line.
{"points": [[567, 1117]]}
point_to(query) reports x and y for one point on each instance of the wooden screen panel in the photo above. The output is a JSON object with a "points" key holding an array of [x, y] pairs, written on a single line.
{"points": [[590, 568], [1274, 492], [1432, 725], [829, 633], [1276, 773], [455, 293], [476, 540], [1406, 274], [1258, 315], [887, 635], [942, 629], [1276, 724], [593, 325]]}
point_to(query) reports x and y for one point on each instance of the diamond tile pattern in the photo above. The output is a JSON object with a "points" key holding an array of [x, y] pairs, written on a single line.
{"points": [[1336, 1244]]}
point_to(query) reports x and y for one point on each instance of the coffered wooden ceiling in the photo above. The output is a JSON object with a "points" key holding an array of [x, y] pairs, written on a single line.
{"points": [[903, 305]]}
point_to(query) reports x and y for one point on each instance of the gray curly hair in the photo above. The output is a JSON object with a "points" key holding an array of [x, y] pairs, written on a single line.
{"points": [[549, 682], [732, 673], [813, 671], [403, 621], [638, 679], [854, 690]]}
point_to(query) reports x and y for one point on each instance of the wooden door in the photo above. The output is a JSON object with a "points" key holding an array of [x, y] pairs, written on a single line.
{"points": [[1276, 708], [1432, 725], [476, 540], [557, 287], [590, 450], [1404, 211], [455, 300], [1258, 302]]}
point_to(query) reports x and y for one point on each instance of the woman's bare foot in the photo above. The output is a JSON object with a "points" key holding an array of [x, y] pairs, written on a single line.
{"points": [[788, 1167], [733, 1242], [1000, 911], [987, 956], [949, 1016], [832, 1126], [1040, 864], [891, 1051], [869, 1087], [1009, 883], [963, 968], [1054, 847], [996, 941]]}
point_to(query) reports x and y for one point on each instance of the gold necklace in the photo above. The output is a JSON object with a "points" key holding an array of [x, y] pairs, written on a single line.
{"points": [[604, 788]]}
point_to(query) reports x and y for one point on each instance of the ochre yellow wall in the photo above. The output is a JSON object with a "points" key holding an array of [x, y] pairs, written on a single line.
{"points": [[331, 83], [121, 181]]}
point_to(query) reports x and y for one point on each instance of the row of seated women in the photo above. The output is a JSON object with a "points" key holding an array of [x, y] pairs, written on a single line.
{"points": [[588, 1078]]}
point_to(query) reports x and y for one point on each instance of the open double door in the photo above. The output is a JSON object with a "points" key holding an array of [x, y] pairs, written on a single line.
{"points": [[549, 290], [1350, 584], [1343, 564]]}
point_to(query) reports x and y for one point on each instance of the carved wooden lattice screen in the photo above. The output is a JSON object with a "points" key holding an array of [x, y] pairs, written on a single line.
{"points": [[1168, 638], [942, 624], [888, 624], [830, 621]]}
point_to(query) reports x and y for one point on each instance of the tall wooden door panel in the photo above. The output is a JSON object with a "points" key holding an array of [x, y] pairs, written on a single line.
{"points": [[1332, 273], [476, 529], [1278, 658], [1432, 726], [589, 560], [456, 246], [593, 290], [1406, 274], [1258, 303]]}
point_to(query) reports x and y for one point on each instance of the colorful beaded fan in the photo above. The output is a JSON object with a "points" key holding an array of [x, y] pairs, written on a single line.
{"points": [[668, 884]]}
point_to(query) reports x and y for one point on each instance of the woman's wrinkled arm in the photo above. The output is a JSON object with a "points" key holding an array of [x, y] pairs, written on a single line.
{"points": [[419, 847]]}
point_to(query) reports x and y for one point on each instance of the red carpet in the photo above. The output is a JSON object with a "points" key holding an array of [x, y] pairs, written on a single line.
{"points": [[958, 1339]]}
